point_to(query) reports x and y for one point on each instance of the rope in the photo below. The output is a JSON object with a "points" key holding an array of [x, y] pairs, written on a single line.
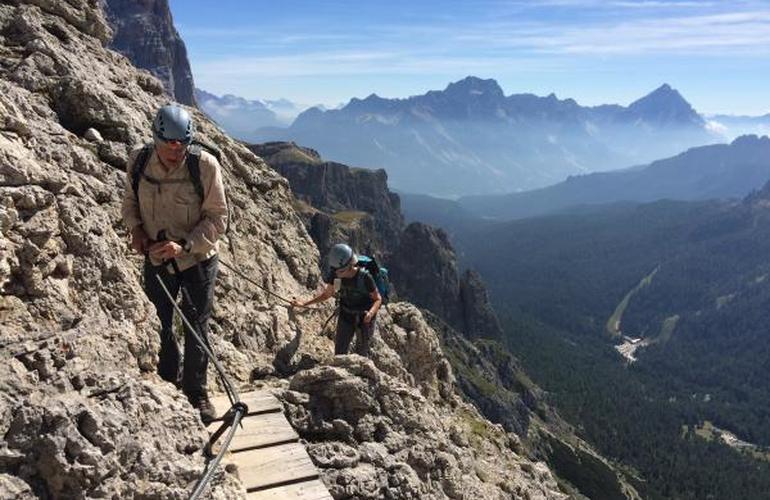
{"points": [[239, 273], [231, 392], [333, 314], [238, 409]]}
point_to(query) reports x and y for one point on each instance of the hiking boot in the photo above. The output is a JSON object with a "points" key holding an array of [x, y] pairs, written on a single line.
{"points": [[203, 404]]}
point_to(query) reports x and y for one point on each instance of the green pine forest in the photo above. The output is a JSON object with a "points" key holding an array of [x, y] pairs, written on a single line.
{"points": [[556, 280]]}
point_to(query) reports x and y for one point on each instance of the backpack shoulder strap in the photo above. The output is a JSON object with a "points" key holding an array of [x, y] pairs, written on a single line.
{"points": [[140, 164], [194, 167]]}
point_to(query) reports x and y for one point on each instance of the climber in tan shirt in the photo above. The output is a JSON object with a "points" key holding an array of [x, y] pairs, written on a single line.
{"points": [[176, 213]]}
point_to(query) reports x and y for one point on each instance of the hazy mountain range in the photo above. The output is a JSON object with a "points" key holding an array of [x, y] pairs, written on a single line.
{"points": [[714, 171], [706, 172], [471, 138], [242, 118]]}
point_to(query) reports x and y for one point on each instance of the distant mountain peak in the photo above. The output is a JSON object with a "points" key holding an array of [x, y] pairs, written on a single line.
{"points": [[472, 85], [664, 94], [664, 106], [370, 104], [751, 140]]}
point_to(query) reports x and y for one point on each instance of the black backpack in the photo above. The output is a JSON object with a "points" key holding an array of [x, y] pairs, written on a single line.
{"points": [[193, 166]]}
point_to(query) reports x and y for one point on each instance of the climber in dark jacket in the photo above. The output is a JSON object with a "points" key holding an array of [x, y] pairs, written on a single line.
{"points": [[359, 299]]}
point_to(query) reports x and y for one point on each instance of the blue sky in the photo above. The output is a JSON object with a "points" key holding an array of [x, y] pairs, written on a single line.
{"points": [[716, 53]]}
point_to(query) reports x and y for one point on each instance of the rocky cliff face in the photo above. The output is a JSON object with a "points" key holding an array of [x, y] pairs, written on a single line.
{"points": [[425, 270], [493, 379], [83, 412], [395, 427], [144, 32], [342, 203]]}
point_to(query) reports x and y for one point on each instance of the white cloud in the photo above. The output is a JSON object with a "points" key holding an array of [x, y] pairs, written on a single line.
{"points": [[716, 127]]}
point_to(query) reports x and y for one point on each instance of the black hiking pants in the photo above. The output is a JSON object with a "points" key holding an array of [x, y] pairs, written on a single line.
{"points": [[348, 323], [199, 281]]}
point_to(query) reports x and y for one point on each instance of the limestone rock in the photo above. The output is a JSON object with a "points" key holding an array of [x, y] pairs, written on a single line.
{"points": [[93, 135], [348, 204], [81, 414], [400, 444], [479, 319], [425, 270]]}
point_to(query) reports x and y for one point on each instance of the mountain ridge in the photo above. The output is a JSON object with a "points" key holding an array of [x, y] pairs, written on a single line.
{"points": [[713, 171], [470, 138]]}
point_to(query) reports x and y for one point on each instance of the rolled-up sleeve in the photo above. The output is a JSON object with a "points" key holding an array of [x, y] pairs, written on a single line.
{"points": [[132, 216], [213, 222]]}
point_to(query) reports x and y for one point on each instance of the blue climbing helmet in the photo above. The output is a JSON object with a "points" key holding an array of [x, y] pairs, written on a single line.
{"points": [[340, 256], [173, 123]]}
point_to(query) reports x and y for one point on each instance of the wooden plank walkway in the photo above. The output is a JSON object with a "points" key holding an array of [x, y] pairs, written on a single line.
{"points": [[272, 463]]}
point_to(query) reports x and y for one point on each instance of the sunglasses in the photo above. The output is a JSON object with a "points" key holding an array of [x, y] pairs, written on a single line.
{"points": [[344, 268], [173, 142]]}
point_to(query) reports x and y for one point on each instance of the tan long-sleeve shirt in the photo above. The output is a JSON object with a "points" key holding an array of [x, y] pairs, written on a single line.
{"points": [[173, 205]]}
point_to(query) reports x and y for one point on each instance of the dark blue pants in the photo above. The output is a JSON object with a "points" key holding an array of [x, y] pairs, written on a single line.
{"points": [[199, 281]]}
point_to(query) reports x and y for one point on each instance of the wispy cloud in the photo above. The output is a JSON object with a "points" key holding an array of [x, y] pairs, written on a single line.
{"points": [[357, 63], [626, 4], [377, 42], [747, 33]]}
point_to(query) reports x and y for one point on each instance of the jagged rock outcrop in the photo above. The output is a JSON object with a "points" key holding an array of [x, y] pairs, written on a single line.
{"points": [[425, 270], [83, 413], [345, 204], [378, 434], [491, 379], [144, 32], [479, 319]]}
